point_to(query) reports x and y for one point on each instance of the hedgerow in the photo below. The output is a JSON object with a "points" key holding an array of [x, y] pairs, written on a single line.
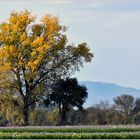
{"points": [[18, 135], [66, 130]]}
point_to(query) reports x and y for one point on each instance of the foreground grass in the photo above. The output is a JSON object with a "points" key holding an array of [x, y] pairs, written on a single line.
{"points": [[67, 136], [69, 133]]}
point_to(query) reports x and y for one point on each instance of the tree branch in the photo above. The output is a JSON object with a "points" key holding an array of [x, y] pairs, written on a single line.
{"points": [[40, 78]]}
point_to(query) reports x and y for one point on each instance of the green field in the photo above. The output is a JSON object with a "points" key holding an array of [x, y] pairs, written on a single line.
{"points": [[81, 132]]}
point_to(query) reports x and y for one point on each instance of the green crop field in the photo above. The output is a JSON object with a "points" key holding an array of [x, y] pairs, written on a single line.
{"points": [[67, 132]]}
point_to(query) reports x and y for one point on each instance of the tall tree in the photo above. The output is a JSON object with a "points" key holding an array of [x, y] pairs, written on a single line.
{"points": [[34, 53], [66, 94]]}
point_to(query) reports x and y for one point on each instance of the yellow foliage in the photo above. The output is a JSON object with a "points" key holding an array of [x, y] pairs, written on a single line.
{"points": [[52, 25], [38, 41], [23, 36], [21, 19], [24, 42], [6, 106]]}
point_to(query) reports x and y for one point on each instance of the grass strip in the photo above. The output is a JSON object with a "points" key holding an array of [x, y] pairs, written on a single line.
{"points": [[66, 130], [67, 136]]}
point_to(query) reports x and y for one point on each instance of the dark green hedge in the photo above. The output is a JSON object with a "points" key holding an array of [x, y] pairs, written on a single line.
{"points": [[67, 136], [66, 130]]}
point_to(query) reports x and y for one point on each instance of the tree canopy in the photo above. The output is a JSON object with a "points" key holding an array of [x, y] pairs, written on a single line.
{"points": [[66, 94], [126, 105]]}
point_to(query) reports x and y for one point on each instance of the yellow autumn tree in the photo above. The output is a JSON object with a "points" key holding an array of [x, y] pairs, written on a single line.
{"points": [[9, 107], [35, 53]]}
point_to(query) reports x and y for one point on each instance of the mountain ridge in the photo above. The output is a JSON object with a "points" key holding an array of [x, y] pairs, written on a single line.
{"points": [[101, 91], [110, 83]]}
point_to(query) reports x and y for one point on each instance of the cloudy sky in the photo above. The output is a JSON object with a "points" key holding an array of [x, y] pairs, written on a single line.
{"points": [[111, 29]]}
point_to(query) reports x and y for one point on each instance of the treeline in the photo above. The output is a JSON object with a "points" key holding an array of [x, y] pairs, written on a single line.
{"points": [[125, 110]]}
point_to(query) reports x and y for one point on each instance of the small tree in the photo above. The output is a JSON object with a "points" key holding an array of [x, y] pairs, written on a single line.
{"points": [[125, 104], [137, 105], [137, 111], [67, 94]]}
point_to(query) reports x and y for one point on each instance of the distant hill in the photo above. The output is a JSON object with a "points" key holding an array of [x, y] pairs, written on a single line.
{"points": [[98, 91]]}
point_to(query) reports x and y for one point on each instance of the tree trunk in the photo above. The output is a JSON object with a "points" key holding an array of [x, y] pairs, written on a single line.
{"points": [[25, 112], [26, 115], [63, 118]]}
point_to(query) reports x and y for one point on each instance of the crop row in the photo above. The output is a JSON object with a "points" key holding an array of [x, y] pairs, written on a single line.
{"points": [[67, 130], [67, 136]]}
